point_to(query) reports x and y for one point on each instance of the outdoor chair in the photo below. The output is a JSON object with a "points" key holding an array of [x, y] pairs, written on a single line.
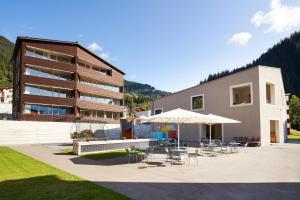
{"points": [[193, 155], [145, 155], [131, 155], [169, 153], [177, 157]]}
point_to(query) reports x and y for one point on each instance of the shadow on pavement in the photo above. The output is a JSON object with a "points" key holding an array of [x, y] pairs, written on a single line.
{"points": [[207, 191]]}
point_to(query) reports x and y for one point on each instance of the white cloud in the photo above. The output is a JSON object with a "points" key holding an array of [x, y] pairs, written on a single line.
{"points": [[241, 38], [104, 55], [94, 47], [280, 17]]}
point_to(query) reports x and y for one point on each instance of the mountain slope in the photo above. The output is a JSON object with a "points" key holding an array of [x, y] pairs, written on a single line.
{"points": [[284, 55], [143, 89], [6, 48]]}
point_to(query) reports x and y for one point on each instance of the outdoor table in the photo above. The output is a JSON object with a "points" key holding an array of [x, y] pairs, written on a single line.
{"points": [[234, 143]]}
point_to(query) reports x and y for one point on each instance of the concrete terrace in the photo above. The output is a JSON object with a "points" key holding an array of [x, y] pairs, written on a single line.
{"points": [[256, 173]]}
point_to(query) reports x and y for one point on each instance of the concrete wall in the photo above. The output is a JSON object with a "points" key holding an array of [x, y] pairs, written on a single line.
{"points": [[6, 108], [268, 112], [217, 101], [29, 132]]}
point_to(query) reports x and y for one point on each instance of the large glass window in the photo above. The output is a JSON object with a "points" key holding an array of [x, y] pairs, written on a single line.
{"points": [[197, 102], [98, 99], [44, 73], [100, 114], [50, 92], [46, 109], [47, 56], [241, 94], [94, 83]]}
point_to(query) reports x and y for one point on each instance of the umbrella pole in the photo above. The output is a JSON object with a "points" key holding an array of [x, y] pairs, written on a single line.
{"points": [[210, 134], [178, 139]]}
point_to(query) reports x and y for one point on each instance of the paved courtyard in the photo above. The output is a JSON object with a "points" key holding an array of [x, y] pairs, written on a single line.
{"points": [[256, 173]]}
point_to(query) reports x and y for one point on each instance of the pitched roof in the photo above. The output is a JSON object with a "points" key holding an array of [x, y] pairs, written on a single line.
{"points": [[22, 38]]}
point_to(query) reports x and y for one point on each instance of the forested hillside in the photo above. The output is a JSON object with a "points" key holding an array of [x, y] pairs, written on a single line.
{"points": [[284, 55], [6, 48]]}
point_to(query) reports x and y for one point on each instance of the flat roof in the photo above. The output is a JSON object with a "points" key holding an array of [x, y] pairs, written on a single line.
{"points": [[206, 82], [24, 38]]}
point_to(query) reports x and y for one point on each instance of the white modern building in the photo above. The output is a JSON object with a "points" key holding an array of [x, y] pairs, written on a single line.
{"points": [[254, 96]]}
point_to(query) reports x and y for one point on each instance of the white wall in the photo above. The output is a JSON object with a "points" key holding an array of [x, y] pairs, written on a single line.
{"points": [[268, 112], [6, 108], [29, 132]]}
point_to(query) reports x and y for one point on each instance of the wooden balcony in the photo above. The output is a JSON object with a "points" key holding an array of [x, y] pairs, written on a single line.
{"points": [[98, 106], [117, 81], [99, 91], [50, 64], [34, 80], [36, 99]]}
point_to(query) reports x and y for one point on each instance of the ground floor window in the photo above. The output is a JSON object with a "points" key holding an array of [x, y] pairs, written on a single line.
{"points": [[100, 114], [216, 131], [46, 109]]}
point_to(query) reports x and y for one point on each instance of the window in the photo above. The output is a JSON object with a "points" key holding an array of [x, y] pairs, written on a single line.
{"points": [[241, 95], [270, 93], [99, 99], [47, 56], [44, 73], [46, 109], [197, 102], [50, 92], [158, 111], [94, 83], [96, 68], [108, 115]]}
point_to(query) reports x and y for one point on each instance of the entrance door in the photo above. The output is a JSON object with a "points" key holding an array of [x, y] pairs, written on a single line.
{"points": [[216, 131], [274, 131]]}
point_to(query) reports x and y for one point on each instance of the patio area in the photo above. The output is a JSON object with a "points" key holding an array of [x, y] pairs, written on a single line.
{"points": [[253, 173]]}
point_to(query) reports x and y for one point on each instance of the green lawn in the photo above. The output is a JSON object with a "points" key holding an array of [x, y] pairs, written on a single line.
{"points": [[22, 177], [294, 134]]}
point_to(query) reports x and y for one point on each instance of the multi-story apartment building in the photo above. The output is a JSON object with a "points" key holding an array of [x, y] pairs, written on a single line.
{"points": [[254, 96], [63, 81]]}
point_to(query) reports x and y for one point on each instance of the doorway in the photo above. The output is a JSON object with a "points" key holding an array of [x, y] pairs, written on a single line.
{"points": [[274, 131], [216, 131]]}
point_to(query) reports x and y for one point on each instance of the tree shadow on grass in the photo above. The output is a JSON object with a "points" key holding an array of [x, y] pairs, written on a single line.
{"points": [[207, 191], [51, 187]]}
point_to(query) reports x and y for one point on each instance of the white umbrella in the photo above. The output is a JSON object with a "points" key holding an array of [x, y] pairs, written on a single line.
{"points": [[215, 119], [178, 116]]}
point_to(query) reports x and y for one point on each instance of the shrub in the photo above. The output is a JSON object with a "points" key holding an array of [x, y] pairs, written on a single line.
{"points": [[87, 134], [75, 135]]}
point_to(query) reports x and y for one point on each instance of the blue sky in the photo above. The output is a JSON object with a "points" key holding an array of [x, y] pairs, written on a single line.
{"points": [[169, 44]]}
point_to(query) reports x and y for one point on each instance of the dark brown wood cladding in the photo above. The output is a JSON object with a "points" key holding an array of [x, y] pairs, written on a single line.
{"points": [[50, 64], [59, 48], [35, 99], [98, 91], [33, 80], [100, 77], [98, 106], [57, 118]]}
